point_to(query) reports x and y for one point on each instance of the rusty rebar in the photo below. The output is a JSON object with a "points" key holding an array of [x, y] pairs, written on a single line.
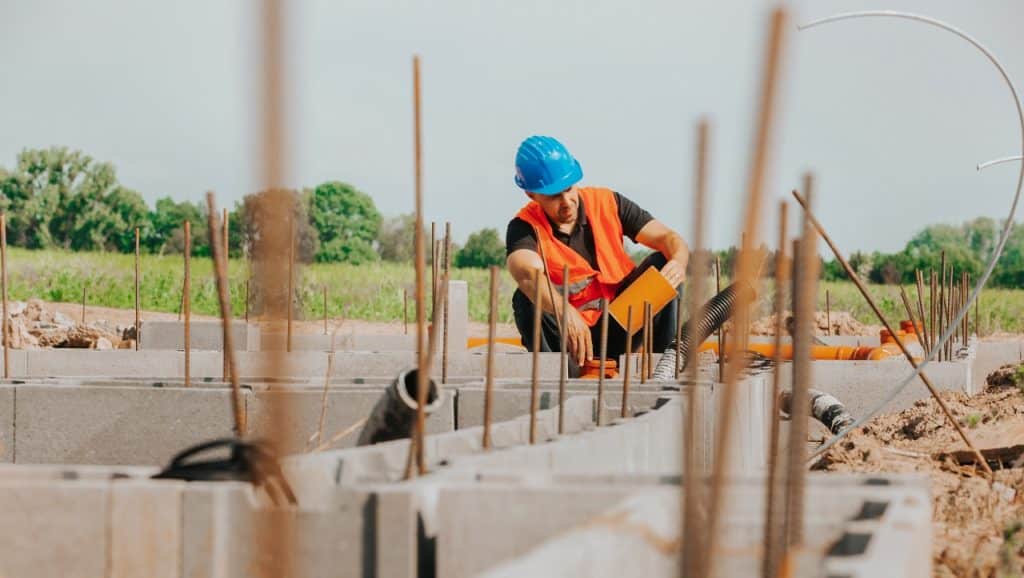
{"points": [[805, 276], [645, 334], [444, 299], [563, 367], [186, 303], [745, 272], [942, 304], [405, 311], [603, 353], [828, 312], [899, 342], [925, 334], [421, 376], [83, 304], [535, 373], [773, 529], [325, 308], [291, 280], [138, 303], [492, 321], [220, 273], [721, 328], [3, 289], [625, 370]]}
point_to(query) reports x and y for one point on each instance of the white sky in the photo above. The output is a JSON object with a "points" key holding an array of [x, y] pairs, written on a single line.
{"points": [[891, 115]]}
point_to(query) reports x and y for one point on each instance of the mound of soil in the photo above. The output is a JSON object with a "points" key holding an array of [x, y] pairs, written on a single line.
{"points": [[842, 324]]}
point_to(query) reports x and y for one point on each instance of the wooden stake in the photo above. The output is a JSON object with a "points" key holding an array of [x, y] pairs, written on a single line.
{"points": [[535, 374], [186, 300], [563, 366], [138, 304], [220, 268], [3, 288], [492, 320]]}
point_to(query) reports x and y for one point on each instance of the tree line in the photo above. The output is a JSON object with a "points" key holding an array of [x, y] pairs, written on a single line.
{"points": [[57, 198]]}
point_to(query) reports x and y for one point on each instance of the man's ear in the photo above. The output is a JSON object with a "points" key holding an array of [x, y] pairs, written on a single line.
{"points": [[533, 196]]}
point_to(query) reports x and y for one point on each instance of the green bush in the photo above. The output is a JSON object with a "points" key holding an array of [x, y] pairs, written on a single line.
{"points": [[483, 249]]}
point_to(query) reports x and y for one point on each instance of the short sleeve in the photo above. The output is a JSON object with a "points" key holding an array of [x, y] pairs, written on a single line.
{"points": [[520, 235], [632, 216]]}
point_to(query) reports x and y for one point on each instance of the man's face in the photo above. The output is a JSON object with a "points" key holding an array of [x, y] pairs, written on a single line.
{"points": [[561, 208]]}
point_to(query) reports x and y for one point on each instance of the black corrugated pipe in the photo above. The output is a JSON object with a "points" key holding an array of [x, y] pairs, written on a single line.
{"points": [[712, 315], [394, 414], [824, 407]]}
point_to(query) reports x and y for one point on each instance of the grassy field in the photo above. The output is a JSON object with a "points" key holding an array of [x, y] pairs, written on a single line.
{"points": [[369, 292]]}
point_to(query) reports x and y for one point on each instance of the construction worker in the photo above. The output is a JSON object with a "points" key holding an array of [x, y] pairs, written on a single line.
{"points": [[582, 227]]}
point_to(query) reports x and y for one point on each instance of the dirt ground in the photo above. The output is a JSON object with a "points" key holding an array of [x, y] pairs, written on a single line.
{"points": [[978, 526]]}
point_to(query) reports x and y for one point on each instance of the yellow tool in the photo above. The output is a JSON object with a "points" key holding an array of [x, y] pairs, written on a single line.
{"points": [[650, 287]]}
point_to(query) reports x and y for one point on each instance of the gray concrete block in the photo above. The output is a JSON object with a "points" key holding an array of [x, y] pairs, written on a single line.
{"points": [[54, 530], [203, 335], [7, 446], [991, 355], [116, 425], [344, 408], [145, 528], [112, 363], [860, 385]]}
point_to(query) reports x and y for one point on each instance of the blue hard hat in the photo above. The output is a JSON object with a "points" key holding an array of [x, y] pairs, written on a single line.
{"points": [[545, 166]]}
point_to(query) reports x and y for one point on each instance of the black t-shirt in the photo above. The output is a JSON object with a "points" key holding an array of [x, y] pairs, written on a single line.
{"points": [[520, 235]]}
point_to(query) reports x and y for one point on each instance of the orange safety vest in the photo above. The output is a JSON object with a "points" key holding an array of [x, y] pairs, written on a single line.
{"points": [[587, 286]]}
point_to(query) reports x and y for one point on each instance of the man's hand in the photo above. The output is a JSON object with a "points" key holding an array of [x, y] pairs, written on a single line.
{"points": [[674, 273], [581, 348]]}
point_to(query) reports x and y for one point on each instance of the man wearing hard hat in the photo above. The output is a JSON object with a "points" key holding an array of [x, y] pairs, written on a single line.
{"points": [[582, 227]]}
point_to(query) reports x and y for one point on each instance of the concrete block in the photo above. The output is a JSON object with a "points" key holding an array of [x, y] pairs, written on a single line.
{"points": [[860, 385], [458, 316], [7, 423], [344, 408], [17, 360], [145, 528], [116, 425], [203, 335], [54, 530], [991, 355], [111, 363]]}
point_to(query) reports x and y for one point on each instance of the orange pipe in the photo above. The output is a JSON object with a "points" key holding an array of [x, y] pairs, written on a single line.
{"points": [[819, 352]]}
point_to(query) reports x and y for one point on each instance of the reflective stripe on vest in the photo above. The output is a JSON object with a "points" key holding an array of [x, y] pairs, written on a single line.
{"points": [[587, 286]]}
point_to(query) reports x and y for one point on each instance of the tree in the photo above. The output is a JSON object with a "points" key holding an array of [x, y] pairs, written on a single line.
{"points": [[57, 197], [346, 221], [483, 249], [166, 232]]}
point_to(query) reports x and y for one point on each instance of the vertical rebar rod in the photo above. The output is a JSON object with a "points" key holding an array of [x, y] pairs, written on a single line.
{"points": [[977, 316], [325, 308], [745, 271], [291, 281], [692, 479], [942, 303], [644, 338], [650, 341], [563, 366], [138, 303], [3, 289], [772, 527], [421, 376], [247, 281], [933, 330], [535, 373], [433, 259], [925, 334], [910, 311], [492, 321], [679, 332], [186, 303], [721, 330], [828, 312], [629, 354], [83, 304], [220, 271], [447, 263], [405, 311], [603, 353]]}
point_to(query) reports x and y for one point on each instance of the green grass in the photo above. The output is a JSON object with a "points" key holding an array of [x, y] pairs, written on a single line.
{"points": [[368, 292]]}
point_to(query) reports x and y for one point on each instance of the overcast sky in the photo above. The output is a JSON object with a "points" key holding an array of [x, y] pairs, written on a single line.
{"points": [[891, 115]]}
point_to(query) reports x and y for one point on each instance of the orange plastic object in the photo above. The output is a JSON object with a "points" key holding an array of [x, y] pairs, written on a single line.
{"points": [[650, 287], [592, 369], [482, 341], [886, 337], [910, 327], [886, 351], [818, 352]]}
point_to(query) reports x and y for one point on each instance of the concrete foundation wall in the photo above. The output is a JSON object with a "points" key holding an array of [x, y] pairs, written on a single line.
{"points": [[203, 335]]}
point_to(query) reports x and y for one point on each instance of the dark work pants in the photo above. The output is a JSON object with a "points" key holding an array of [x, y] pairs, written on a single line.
{"points": [[550, 339]]}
